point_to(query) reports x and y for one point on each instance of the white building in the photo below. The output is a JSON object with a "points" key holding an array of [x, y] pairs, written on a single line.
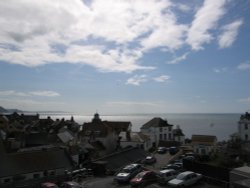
{"points": [[158, 130], [244, 127], [204, 144], [136, 139], [178, 135]]}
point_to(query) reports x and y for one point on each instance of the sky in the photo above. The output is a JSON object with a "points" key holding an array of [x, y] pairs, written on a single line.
{"points": [[125, 56]]}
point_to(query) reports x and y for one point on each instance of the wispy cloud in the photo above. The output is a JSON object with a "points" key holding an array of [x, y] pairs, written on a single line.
{"points": [[162, 78], [205, 20], [45, 93], [229, 34], [28, 94], [132, 103], [178, 59], [244, 66], [137, 80], [13, 93], [30, 104], [245, 100], [220, 70]]}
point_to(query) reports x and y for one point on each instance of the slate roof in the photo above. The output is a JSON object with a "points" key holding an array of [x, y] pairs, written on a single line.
{"points": [[121, 159], [33, 161], [138, 137], [156, 122], [98, 129], [118, 125], [204, 139]]}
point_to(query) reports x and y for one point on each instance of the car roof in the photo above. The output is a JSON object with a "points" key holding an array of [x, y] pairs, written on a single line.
{"points": [[167, 170], [131, 166], [71, 183], [187, 172], [145, 172], [48, 184]]}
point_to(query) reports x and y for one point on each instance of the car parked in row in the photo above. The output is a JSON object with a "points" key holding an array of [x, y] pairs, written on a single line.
{"points": [[149, 160], [143, 178], [68, 184], [71, 184], [49, 185], [172, 166], [173, 150], [127, 173], [185, 179], [165, 175], [162, 150]]}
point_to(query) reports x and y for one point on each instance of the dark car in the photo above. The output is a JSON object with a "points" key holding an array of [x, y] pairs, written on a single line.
{"points": [[172, 166], [144, 178], [71, 184], [149, 160], [161, 150], [173, 150], [127, 173]]}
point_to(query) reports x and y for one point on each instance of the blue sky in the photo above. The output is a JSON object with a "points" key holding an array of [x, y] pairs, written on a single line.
{"points": [[140, 56]]}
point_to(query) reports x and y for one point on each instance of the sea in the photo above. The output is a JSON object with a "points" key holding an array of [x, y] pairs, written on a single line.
{"points": [[220, 125]]}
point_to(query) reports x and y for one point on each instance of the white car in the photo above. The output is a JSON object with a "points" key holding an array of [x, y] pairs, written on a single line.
{"points": [[165, 175], [185, 179]]}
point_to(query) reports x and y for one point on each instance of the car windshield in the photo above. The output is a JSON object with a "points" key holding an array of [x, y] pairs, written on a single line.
{"points": [[161, 174], [140, 175], [126, 170]]}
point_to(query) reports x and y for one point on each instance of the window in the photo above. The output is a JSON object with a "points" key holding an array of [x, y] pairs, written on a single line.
{"points": [[52, 173], [6, 180], [165, 136], [169, 129], [246, 137], [160, 129], [35, 176], [169, 136], [246, 126], [160, 136]]}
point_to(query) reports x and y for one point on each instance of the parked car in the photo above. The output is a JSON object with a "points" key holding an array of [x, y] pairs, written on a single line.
{"points": [[127, 173], [173, 150], [179, 164], [172, 166], [149, 160], [161, 150], [71, 184], [49, 185], [185, 179], [144, 178], [189, 158], [165, 175]]}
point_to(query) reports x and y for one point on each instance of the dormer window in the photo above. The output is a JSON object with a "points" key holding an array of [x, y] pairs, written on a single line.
{"points": [[97, 133]]}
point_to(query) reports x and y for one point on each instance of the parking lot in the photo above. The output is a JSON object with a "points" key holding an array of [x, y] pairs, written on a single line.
{"points": [[161, 160]]}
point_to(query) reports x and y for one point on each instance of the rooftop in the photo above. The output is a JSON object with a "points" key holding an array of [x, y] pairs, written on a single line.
{"points": [[156, 122]]}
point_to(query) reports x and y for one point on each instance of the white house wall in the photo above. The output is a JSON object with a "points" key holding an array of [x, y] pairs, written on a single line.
{"points": [[244, 129]]}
